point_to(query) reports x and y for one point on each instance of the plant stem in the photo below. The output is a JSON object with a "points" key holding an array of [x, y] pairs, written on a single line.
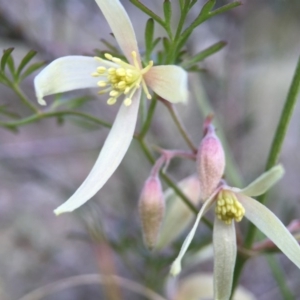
{"points": [[179, 125], [150, 114], [44, 115]]}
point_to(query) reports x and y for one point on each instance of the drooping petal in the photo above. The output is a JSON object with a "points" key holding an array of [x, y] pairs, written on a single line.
{"points": [[272, 227], [169, 82], [177, 210], [176, 265], [111, 155], [224, 240], [264, 182], [66, 74], [120, 24]]}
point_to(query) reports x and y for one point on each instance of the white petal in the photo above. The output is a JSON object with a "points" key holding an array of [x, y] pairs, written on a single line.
{"points": [[111, 155], [176, 265], [169, 82], [224, 240], [264, 182], [177, 210], [120, 24], [65, 74], [272, 227]]}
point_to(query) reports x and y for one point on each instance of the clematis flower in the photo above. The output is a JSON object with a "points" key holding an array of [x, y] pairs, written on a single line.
{"points": [[119, 79], [232, 204]]}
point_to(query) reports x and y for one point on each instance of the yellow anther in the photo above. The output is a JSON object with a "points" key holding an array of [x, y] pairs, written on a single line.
{"points": [[113, 93], [111, 71], [121, 84], [111, 101], [124, 78], [101, 70], [127, 101], [228, 207], [108, 56], [121, 72], [102, 83]]}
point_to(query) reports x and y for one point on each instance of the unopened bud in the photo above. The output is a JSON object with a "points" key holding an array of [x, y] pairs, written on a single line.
{"points": [[151, 209], [210, 162]]}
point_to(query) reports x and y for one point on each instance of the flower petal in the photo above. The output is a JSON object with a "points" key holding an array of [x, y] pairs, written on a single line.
{"points": [[264, 182], [176, 265], [224, 240], [111, 155], [177, 210], [66, 74], [272, 227], [120, 24], [169, 82]]}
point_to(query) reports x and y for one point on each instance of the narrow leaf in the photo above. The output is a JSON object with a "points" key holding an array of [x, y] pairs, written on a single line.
{"points": [[225, 8], [167, 12], [149, 33], [203, 54], [207, 7], [26, 59], [6, 55], [112, 48], [32, 68]]}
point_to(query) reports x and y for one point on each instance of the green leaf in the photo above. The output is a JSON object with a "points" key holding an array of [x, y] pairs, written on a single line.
{"points": [[167, 12], [26, 59], [203, 54], [149, 33], [156, 41], [225, 8], [166, 44], [5, 57], [207, 7], [32, 68]]}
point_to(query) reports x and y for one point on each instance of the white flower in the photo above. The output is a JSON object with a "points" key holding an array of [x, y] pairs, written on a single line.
{"points": [[117, 78], [233, 204]]}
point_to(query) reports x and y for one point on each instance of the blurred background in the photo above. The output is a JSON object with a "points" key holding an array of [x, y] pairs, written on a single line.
{"points": [[41, 165]]}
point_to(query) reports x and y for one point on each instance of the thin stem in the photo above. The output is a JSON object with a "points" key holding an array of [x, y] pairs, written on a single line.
{"points": [[179, 125], [45, 115], [148, 121], [280, 278], [91, 279], [274, 153], [173, 185], [22, 96]]}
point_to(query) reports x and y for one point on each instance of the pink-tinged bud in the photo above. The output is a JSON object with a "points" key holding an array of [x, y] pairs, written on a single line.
{"points": [[151, 209], [210, 161]]}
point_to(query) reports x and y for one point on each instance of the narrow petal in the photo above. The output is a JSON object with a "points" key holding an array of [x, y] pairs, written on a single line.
{"points": [[272, 227], [176, 265], [66, 74], [224, 240], [169, 82], [110, 157], [264, 182], [177, 210], [120, 24]]}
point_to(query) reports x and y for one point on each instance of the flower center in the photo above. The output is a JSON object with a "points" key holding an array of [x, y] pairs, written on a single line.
{"points": [[120, 78], [228, 207]]}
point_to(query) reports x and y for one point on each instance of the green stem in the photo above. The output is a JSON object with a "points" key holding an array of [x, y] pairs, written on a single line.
{"points": [[45, 115], [22, 96], [148, 121], [274, 153], [173, 185], [280, 278], [179, 125]]}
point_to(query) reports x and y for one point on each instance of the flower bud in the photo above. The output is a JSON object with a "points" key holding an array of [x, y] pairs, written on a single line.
{"points": [[151, 210], [210, 162]]}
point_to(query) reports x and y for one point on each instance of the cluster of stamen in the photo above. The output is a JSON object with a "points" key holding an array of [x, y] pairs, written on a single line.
{"points": [[121, 78], [228, 207]]}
